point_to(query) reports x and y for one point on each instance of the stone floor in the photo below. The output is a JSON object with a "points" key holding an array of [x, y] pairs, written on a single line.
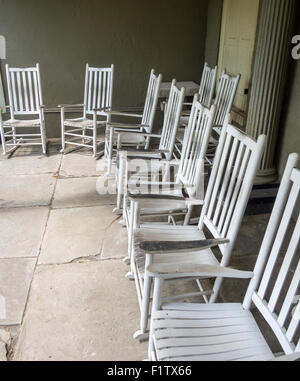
{"points": [[61, 269]]}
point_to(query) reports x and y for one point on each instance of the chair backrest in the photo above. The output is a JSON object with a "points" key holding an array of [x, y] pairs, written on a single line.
{"points": [[275, 284], [24, 90], [207, 85], [98, 89], [151, 101], [235, 165], [225, 96], [171, 119], [197, 134]]}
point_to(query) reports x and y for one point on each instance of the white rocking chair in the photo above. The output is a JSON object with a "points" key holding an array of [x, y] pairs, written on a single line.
{"points": [[178, 198], [228, 331], [227, 89], [206, 91], [233, 172], [98, 92], [25, 99], [165, 150], [226, 92], [136, 132]]}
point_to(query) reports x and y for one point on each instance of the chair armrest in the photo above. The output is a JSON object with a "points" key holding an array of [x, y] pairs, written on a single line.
{"points": [[119, 126], [142, 152], [192, 270], [161, 247], [291, 357], [70, 106], [146, 134], [120, 113], [141, 197], [101, 109]]}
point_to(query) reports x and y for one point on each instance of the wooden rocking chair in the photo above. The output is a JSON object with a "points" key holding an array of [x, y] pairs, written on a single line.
{"points": [[233, 172], [206, 91], [98, 92], [228, 331], [178, 198], [136, 132], [165, 150], [25, 99]]}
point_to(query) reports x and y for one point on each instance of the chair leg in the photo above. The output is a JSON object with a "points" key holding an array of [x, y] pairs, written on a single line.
{"points": [[3, 139], [83, 136], [130, 229], [63, 144], [188, 215], [156, 304], [14, 135], [142, 334], [43, 137], [110, 150], [216, 289], [95, 139], [120, 188]]}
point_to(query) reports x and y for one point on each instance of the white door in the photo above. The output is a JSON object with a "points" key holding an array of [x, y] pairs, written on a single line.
{"points": [[237, 42]]}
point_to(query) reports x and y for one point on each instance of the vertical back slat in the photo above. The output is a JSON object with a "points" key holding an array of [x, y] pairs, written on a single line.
{"points": [[25, 90], [225, 96], [278, 241], [95, 90], [36, 90], [108, 87], [20, 91], [99, 90], [16, 108], [90, 80], [236, 192], [228, 179], [290, 296], [219, 177], [280, 247], [29, 77], [104, 88], [285, 267]]}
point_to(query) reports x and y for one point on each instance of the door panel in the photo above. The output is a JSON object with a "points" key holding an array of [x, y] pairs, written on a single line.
{"points": [[237, 41]]}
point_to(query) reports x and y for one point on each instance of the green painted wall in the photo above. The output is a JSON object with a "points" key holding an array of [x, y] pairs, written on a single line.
{"points": [[214, 20], [135, 35]]}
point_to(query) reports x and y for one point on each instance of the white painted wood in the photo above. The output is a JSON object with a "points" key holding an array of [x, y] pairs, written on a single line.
{"points": [[226, 92], [21, 94], [145, 124], [166, 146], [97, 103], [190, 174], [181, 331], [238, 187]]}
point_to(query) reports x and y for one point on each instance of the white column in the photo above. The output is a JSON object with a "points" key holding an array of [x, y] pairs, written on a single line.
{"points": [[269, 78]]}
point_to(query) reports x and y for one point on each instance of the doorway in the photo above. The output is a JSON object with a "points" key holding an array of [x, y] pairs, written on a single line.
{"points": [[237, 40]]}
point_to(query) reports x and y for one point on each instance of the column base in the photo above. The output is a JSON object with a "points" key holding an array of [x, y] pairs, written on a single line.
{"points": [[266, 176]]}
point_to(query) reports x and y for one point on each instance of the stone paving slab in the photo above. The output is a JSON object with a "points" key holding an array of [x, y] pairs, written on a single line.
{"points": [[85, 311], [30, 165], [115, 242], [75, 233], [81, 165], [22, 190], [15, 278], [74, 192], [21, 231]]}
